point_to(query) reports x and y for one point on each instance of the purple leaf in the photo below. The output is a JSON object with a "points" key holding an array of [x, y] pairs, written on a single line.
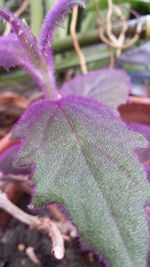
{"points": [[6, 162], [84, 158], [144, 154], [55, 15], [25, 36], [141, 128], [12, 52], [20, 48], [110, 86]]}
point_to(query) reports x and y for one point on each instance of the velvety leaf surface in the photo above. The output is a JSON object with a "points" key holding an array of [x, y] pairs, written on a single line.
{"points": [[23, 33], [53, 19], [84, 158], [141, 128], [144, 154], [109, 86], [11, 52], [6, 162]]}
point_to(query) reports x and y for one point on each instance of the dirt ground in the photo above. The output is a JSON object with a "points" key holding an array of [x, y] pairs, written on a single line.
{"points": [[17, 237]]}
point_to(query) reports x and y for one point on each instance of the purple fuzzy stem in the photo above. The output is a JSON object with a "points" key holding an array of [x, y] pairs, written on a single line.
{"points": [[51, 70]]}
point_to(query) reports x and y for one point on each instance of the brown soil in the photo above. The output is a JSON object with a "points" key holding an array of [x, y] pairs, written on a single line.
{"points": [[17, 234]]}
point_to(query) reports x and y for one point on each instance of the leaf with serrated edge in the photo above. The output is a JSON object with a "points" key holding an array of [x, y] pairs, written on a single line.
{"points": [[23, 33], [84, 158], [7, 159], [143, 154], [111, 86], [13, 54]]}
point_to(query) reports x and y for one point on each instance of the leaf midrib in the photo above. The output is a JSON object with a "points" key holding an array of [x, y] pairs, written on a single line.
{"points": [[77, 137]]}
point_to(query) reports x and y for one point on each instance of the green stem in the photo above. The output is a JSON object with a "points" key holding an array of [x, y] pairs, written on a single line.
{"points": [[36, 16]]}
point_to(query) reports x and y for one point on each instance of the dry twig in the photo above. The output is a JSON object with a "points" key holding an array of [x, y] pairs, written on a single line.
{"points": [[121, 38], [42, 224], [109, 24], [75, 40], [111, 40], [32, 256]]}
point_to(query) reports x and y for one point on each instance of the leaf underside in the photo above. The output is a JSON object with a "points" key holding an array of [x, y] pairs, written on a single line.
{"points": [[111, 86], [84, 158]]}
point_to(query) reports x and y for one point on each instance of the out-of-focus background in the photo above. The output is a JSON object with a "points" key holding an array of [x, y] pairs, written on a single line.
{"points": [[113, 34]]}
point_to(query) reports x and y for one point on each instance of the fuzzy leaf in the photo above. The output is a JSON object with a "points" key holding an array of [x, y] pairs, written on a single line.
{"points": [[144, 154], [141, 128], [25, 36], [84, 158], [108, 85], [7, 159], [53, 19], [12, 52]]}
